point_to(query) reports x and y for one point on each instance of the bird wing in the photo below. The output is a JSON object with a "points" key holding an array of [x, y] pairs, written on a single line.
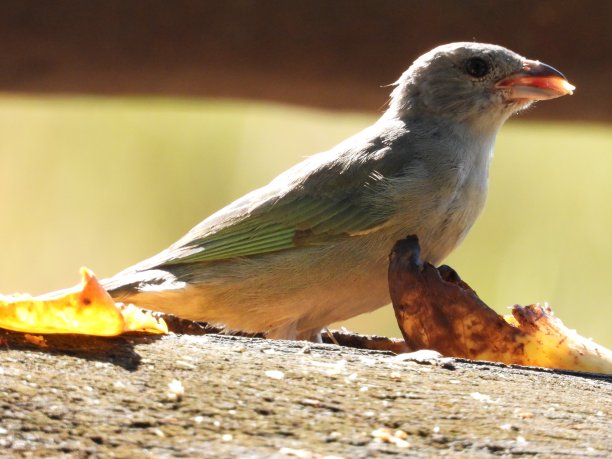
{"points": [[317, 201]]}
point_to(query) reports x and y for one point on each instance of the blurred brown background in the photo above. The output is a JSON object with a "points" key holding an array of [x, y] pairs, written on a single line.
{"points": [[332, 54]]}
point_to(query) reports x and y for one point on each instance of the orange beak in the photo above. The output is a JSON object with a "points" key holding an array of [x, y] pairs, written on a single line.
{"points": [[536, 81]]}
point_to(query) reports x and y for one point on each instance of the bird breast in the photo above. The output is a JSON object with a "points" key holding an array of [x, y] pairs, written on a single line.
{"points": [[442, 194]]}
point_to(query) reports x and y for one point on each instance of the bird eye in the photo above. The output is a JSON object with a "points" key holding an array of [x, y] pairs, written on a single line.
{"points": [[476, 67]]}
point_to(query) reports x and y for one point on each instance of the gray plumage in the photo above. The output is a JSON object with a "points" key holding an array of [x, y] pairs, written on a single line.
{"points": [[311, 247]]}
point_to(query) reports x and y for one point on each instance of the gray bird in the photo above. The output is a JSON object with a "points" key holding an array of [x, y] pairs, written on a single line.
{"points": [[311, 247]]}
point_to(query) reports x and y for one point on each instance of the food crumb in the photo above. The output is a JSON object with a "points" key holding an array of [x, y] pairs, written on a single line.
{"points": [[37, 340], [386, 435], [524, 414], [176, 390], [481, 397], [275, 374]]}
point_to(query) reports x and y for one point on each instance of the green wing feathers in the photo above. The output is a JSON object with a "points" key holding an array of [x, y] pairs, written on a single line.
{"points": [[284, 225], [326, 197]]}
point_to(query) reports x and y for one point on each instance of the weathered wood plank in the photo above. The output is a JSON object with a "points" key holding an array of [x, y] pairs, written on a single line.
{"points": [[94, 397]]}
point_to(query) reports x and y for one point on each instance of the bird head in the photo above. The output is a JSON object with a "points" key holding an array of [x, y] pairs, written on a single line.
{"points": [[474, 82]]}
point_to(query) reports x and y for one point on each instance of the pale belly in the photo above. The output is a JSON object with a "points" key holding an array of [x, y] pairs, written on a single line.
{"points": [[293, 293]]}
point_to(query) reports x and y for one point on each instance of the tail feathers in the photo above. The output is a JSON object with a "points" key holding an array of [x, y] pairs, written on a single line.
{"points": [[125, 285]]}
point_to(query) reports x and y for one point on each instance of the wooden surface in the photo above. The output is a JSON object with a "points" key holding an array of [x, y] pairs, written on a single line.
{"points": [[317, 53], [94, 397]]}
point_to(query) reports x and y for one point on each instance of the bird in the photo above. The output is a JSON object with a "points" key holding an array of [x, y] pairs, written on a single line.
{"points": [[311, 247]]}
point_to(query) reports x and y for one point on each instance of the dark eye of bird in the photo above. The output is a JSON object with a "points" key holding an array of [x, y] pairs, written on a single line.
{"points": [[476, 67]]}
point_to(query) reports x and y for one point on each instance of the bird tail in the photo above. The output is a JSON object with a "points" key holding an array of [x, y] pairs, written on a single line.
{"points": [[127, 285]]}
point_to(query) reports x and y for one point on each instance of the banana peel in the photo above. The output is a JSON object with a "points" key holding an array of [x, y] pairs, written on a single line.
{"points": [[547, 342], [85, 309], [436, 310]]}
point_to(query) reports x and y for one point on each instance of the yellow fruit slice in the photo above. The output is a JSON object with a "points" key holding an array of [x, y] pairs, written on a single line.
{"points": [[85, 309]]}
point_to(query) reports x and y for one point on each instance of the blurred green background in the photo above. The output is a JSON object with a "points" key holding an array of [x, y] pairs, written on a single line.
{"points": [[107, 182]]}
